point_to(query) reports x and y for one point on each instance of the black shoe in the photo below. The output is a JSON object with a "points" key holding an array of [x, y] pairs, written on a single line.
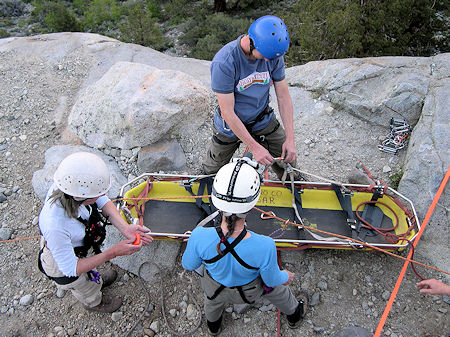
{"points": [[214, 328], [295, 319]]}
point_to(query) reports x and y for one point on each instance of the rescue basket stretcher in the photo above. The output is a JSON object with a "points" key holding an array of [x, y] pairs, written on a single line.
{"points": [[171, 206]]}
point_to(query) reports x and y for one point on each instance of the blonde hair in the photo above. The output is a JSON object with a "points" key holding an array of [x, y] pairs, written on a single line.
{"points": [[68, 203]]}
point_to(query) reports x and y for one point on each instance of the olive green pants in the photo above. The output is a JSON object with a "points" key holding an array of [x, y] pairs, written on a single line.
{"points": [[222, 148]]}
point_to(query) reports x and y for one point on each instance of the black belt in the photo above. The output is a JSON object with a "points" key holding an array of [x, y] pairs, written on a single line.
{"points": [[60, 280], [222, 287]]}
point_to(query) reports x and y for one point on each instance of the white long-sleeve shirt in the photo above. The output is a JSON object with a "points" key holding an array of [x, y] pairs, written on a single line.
{"points": [[63, 233]]}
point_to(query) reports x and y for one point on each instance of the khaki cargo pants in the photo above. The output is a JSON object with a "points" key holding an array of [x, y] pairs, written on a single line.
{"points": [[85, 291], [222, 148], [281, 297]]}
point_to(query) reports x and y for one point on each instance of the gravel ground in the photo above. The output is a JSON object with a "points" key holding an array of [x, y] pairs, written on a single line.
{"points": [[349, 287]]}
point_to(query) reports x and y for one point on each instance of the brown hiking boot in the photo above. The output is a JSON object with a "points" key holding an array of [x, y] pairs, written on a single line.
{"points": [[107, 305], [108, 277]]}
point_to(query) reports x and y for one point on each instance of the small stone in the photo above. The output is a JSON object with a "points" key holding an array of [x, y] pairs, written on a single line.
{"points": [[125, 277], [386, 294], [5, 234], [60, 293], [35, 221], [386, 169], [443, 310], [149, 332], [322, 285], [191, 312], [155, 326], [173, 312], [117, 316], [57, 329], [315, 299], [72, 331], [247, 320], [26, 300], [23, 138]]}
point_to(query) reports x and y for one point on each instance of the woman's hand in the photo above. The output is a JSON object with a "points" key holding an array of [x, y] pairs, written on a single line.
{"points": [[130, 231], [126, 247]]}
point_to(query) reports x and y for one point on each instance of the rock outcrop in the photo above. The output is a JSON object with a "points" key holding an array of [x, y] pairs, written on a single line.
{"points": [[134, 104]]}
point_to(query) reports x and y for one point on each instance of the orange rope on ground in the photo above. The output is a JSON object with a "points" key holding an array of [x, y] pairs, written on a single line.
{"points": [[405, 265], [21, 239]]}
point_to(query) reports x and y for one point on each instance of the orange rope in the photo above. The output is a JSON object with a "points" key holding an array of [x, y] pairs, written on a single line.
{"points": [[21, 239], [354, 240], [405, 265]]}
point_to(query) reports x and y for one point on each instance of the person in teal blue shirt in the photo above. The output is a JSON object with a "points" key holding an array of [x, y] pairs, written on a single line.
{"points": [[240, 265]]}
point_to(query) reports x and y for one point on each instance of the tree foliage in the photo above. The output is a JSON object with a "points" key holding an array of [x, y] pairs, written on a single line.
{"points": [[211, 32], [102, 15], [55, 17], [140, 27], [354, 28]]}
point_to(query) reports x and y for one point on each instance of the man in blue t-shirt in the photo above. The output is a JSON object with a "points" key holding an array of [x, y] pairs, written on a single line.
{"points": [[241, 266], [241, 75]]}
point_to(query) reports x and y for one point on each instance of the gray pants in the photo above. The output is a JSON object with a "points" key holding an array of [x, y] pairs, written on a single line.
{"points": [[85, 291], [222, 148], [281, 297]]}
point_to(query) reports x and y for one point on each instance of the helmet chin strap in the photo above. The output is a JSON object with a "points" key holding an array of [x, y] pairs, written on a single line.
{"points": [[239, 215]]}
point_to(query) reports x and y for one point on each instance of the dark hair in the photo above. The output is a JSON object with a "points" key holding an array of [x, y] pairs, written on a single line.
{"points": [[68, 203], [231, 222]]}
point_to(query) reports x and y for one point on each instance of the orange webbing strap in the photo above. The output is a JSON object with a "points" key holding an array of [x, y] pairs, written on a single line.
{"points": [[143, 195], [405, 265]]}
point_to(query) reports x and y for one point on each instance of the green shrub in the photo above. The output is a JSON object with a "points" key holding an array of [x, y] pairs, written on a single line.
{"points": [[395, 178], [353, 28], [140, 27], [207, 34], [101, 15], [54, 17], [4, 33]]}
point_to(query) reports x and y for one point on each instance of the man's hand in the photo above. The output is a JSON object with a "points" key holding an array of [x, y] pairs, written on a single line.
{"points": [[291, 277], [261, 155], [433, 287], [289, 153], [130, 231]]}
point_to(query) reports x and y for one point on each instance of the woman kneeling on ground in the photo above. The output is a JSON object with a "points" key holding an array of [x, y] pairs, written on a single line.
{"points": [[71, 224]]}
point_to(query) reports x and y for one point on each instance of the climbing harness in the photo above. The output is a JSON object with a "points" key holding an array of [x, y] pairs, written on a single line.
{"points": [[95, 231], [396, 139], [229, 248]]}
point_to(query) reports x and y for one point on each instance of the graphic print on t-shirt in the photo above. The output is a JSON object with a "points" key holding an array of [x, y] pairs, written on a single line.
{"points": [[254, 78]]}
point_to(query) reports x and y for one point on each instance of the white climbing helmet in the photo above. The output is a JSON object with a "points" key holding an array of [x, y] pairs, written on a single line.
{"points": [[83, 175], [236, 188]]}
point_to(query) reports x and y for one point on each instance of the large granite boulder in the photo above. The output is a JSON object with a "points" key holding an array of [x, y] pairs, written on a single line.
{"points": [[135, 105]]}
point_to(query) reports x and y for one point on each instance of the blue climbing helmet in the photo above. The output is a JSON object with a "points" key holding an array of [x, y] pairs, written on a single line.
{"points": [[270, 36]]}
